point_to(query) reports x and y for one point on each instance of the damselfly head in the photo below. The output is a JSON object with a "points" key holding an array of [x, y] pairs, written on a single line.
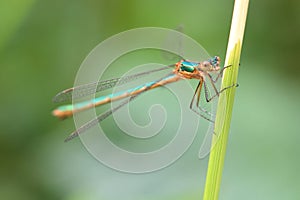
{"points": [[212, 64]]}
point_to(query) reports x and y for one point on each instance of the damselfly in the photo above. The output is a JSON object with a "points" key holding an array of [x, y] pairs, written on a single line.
{"points": [[184, 69]]}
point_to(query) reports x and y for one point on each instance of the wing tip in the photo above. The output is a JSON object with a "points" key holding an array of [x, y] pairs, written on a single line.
{"points": [[71, 137]]}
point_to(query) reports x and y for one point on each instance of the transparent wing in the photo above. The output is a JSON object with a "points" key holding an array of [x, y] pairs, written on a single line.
{"points": [[98, 119], [103, 116], [90, 88], [174, 42]]}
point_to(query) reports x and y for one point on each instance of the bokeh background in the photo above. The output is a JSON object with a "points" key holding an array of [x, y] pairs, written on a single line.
{"points": [[42, 44]]}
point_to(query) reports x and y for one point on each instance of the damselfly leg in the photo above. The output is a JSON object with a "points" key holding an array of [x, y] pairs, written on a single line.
{"points": [[195, 104]]}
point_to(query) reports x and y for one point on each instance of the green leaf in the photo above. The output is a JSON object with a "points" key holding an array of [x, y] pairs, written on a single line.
{"points": [[226, 100]]}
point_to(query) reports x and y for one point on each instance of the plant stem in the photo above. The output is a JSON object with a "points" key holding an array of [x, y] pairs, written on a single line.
{"points": [[225, 104]]}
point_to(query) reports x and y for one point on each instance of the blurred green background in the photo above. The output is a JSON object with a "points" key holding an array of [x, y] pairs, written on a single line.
{"points": [[42, 44]]}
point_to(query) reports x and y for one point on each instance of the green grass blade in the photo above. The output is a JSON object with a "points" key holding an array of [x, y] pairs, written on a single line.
{"points": [[226, 100]]}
